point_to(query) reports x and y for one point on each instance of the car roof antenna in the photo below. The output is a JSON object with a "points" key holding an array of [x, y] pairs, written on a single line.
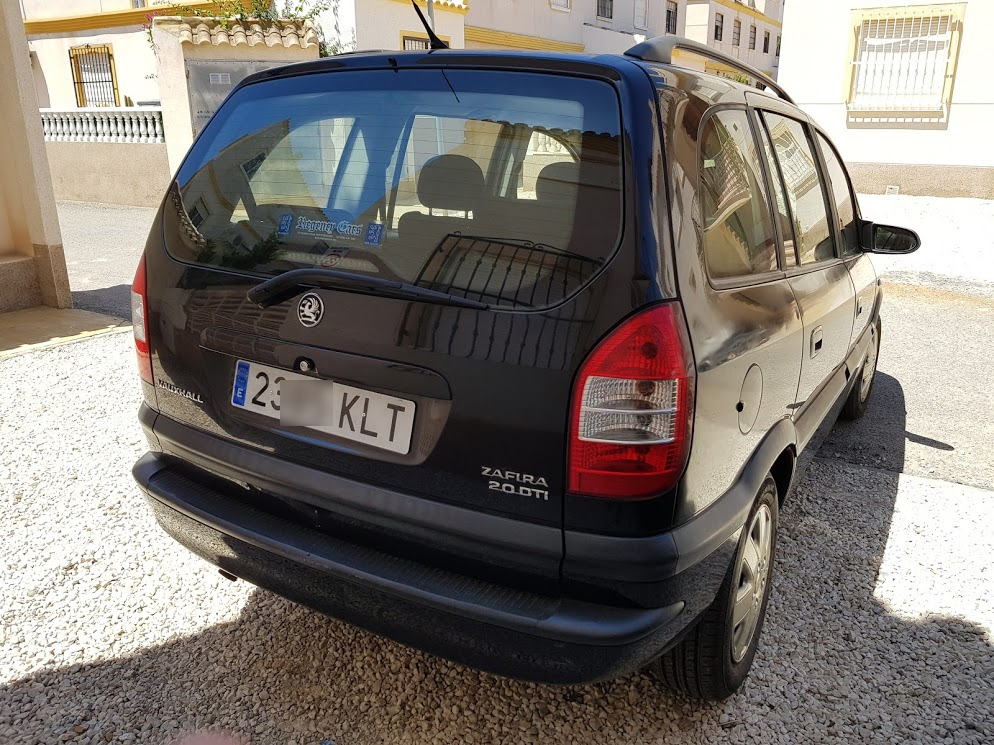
{"points": [[433, 41]]}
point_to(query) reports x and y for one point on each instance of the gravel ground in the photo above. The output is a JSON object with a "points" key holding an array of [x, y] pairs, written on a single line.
{"points": [[881, 625]]}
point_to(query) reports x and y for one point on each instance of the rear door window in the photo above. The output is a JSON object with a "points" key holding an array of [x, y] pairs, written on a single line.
{"points": [[738, 228], [795, 156], [504, 187]]}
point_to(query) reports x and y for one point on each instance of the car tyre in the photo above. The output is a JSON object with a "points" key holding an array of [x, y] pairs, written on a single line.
{"points": [[712, 661], [859, 396]]}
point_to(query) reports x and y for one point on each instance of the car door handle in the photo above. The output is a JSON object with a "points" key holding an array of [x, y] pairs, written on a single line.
{"points": [[817, 336]]}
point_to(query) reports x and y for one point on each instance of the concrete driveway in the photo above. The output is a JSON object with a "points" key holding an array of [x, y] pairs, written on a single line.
{"points": [[880, 629]]}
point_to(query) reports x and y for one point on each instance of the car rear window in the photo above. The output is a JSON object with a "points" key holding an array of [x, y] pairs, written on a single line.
{"points": [[504, 187]]}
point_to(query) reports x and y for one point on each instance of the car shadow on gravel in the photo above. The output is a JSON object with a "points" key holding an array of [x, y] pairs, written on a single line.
{"points": [[835, 665]]}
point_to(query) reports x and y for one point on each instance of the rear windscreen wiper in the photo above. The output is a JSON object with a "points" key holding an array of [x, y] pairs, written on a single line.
{"points": [[282, 285]]}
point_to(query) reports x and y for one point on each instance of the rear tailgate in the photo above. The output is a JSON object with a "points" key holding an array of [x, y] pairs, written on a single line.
{"points": [[439, 181]]}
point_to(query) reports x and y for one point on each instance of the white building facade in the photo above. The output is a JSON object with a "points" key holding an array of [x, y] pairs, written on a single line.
{"points": [[594, 26], [904, 91], [749, 31]]}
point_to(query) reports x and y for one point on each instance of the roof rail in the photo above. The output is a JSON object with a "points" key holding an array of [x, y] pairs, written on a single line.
{"points": [[661, 48]]}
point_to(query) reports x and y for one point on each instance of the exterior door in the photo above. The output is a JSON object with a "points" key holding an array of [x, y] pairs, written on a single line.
{"points": [[816, 273], [741, 313]]}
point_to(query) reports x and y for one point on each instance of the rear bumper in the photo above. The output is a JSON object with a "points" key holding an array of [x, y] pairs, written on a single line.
{"points": [[480, 624], [646, 591]]}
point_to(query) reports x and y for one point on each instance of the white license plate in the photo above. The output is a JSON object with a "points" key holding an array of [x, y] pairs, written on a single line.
{"points": [[342, 410]]}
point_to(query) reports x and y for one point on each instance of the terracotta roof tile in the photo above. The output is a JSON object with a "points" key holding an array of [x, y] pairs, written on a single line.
{"points": [[215, 31]]}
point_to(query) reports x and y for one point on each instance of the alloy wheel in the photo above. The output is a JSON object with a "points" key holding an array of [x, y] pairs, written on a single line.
{"points": [[751, 577]]}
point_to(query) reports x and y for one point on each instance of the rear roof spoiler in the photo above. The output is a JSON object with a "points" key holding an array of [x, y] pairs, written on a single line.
{"points": [[661, 48]]}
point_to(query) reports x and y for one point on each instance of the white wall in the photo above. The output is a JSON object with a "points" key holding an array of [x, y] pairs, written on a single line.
{"points": [[339, 28], [134, 62], [772, 8], [602, 40], [579, 25], [528, 17], [379, 24], [814, 65], [39, 9]]}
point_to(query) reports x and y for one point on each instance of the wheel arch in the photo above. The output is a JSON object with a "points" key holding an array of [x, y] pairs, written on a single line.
{"points": [[782, 472]]}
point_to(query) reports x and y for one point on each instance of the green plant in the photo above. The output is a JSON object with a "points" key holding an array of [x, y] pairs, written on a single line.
{"points": [[262, 10], [226, 11], [738, 78], [258, 255]]}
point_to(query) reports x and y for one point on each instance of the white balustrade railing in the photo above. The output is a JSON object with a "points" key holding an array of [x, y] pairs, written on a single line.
{"points": [[543, 143], [103, 124]]}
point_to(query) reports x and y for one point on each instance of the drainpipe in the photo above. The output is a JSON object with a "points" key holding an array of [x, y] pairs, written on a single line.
{"points": [[431, 14]]}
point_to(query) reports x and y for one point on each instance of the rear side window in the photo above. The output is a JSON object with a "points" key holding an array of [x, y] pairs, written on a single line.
{"points": [[842, 196], [504, 187], [738, 229], [804, 190]]}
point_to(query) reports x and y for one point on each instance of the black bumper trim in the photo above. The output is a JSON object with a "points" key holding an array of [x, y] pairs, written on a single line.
{"points": [[500, 540], [559, 619], [491, 627]]}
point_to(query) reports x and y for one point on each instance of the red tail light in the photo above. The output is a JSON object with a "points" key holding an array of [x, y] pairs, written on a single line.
{"points": [[139, 322], [632, 409]]}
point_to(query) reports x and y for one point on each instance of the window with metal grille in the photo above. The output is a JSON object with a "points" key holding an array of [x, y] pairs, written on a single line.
{"points": [[671, 11], [605, 8], [719, 26], [778, 45], [752, 37], [641, 14], [198, 213], [561, 4], [251, 166], [413, 43], [137, 3], [904, 60], [93, 75], [766, 42], [736, 33]]}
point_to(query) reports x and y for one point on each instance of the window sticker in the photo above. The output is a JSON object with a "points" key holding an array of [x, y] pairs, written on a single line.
{"points": [[334, 255], [374, 235], [342, 228], [286, 225]]}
